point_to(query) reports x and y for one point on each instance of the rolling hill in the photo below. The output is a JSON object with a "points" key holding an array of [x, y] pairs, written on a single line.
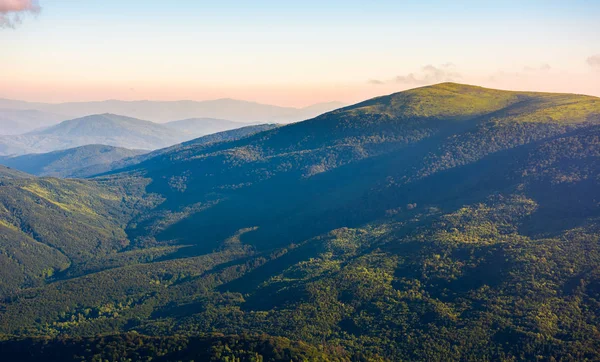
{"points": [[107, 129], [19, 121], [74, 162], [448, 222]]}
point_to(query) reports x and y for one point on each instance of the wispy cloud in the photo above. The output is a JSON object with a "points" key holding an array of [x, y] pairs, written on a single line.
{"points": [[431, 74], [594, 61], [12, 11], [527, 72], [428, 74], [409, 79], [542, 68], [503, 75]]}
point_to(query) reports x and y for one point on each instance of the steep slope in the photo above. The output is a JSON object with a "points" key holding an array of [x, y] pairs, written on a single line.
{"points": [[205, 141], [198, 127], [442, 216], [74, 162], [107, 129], [49, 225], [161, 111]]}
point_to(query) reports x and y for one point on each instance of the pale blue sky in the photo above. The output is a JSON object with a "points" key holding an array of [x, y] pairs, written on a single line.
{"points": [[295, 52]]}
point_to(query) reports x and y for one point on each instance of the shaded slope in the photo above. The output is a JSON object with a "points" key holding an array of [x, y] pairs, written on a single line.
{"points": [[334, 162], [205, 141]]}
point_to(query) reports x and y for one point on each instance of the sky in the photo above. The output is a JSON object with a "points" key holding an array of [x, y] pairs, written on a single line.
{"points": [[291, 53]]}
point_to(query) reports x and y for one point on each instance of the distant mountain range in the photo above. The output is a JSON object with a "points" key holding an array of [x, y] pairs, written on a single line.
{"points": [[162, 111], [34, 127], [112, 130]]}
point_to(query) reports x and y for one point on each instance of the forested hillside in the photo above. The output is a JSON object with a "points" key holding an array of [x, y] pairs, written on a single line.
{"points": [[447, 222], [135, 347], [51, 227]]}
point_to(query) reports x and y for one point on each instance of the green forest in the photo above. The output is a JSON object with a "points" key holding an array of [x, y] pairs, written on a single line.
{"points": [[447, 222]]}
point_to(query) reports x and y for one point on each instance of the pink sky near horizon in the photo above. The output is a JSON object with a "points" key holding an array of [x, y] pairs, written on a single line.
{"points": [[295, 56]]}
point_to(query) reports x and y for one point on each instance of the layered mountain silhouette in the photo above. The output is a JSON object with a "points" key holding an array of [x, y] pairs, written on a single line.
{"points": [[112, 130], [448, 215]]}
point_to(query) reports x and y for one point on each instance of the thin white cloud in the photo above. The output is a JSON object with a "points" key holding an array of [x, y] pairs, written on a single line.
{"points": [[528, 72], [542, 68]]}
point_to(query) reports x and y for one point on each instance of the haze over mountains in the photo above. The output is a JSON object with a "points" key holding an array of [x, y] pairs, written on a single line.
{"points": [[161, 112], [18, 121], [447, 222], [33, 127]]}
